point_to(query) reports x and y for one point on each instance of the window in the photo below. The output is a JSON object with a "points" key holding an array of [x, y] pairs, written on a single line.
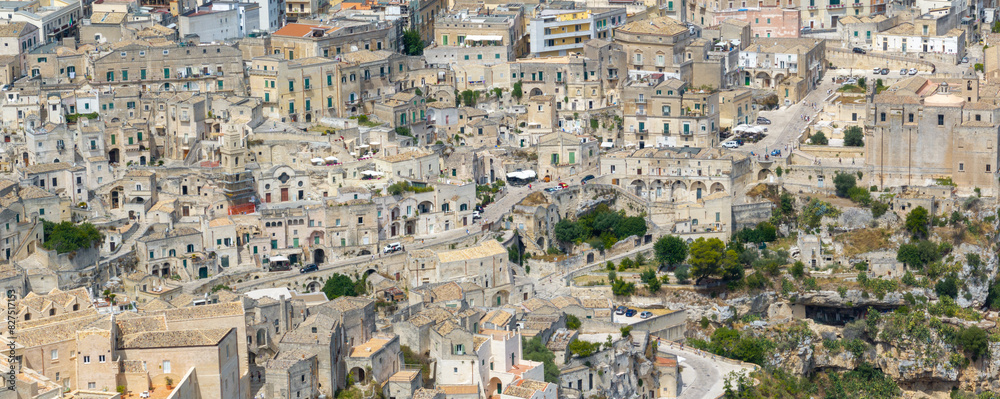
{"points": [[361, 220], [978, 118], [54, 354], [91, 385], [987, 168], [909, 117], [882, 116], [86, 360], [940, 119]]}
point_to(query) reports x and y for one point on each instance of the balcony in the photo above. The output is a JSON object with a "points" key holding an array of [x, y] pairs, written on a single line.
{"points": [[857, 5], [640, 112], [260, 72], [810, 7], [640, 100], [834, 6]]}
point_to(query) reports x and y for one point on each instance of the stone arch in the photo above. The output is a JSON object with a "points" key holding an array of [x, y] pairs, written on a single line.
{"points": [[114, 156], [638, 187], [763, 79], [658, 188], [678, 191], [495, 385], [319, 256], [717, 188], [501, 298], [698, 190], [314, 286], [590, 257], [364, 252], [535, 92], [541, 242], [425, 207], [763, 174], [359, 375]]}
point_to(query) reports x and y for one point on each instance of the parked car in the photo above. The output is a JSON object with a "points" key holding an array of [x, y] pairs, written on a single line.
{"points": [[731, 144], [913, 71], [645, 314], [309, 268], [392, 248], [851, 81], [630, 312], [563, 185], [763, 121], [877, 70], [903, 71], [859, 50], [552, 189], [476, 215], [586, 179], [620, 310], [965, 60], [885, 71]]}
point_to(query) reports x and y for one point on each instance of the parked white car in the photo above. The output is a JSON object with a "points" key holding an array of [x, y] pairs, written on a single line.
{"points": [[731, 144]]}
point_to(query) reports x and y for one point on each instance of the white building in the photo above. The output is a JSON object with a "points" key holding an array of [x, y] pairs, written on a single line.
{"points": [[54, 19], [561, 32], [908, 38], [216, 22], [18, 38]]}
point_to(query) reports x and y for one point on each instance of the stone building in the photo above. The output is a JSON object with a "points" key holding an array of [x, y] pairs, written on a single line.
{"points": [[303, 89], [208, 68], [497, 29], [922, 129], [791, 67], [564, 156], [329, 39], [662, 112], [765, 21], [557, 32], [860, 31]]}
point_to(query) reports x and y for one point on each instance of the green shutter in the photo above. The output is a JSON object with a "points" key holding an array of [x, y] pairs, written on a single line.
{"points": [[166, 73]]}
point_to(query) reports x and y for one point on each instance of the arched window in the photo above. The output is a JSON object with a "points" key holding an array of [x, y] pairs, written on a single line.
{"points": [[190, 248], [173, 252]]}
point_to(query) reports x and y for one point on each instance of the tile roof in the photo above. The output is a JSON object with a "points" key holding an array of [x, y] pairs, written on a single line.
{"points": [[368, 348], [459, 389], [55, 332], [446, 327], [655, 26], [497, 317], [514, 390], [13, 29], [404, 376], [170, 339], [48, 167], [365, 56], [487, 249]]}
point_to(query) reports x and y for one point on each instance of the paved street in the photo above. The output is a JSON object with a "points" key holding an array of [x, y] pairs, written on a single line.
{"points": [[703, 376]]}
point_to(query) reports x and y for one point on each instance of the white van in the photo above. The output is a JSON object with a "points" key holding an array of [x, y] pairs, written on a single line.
{"points": [[731, 144], [392, 248]]}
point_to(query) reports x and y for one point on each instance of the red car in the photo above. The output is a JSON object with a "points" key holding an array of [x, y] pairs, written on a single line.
{"points": [[563, 185]]}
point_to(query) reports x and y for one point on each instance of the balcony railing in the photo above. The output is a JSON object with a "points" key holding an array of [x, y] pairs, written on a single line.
{"points": [[835, 6]]}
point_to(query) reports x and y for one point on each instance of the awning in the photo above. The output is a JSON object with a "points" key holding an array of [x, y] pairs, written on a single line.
{"points": [[607, 144], [334, 159], [316, 160], [372, 173], [374, 143], [524, 174], [363, 146], [476, 38], [278, 258]]}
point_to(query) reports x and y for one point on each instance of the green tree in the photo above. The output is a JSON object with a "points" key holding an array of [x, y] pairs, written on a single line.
{"points": [[854, 137], [682, 274], [798, 270], [649, 278], [670, 250], [583, 348], [620, 287], [974, 341], [705, 258], [469, 97], [572, 322], [916, 222], [68, 237], [844, 182], [819, 139], [412, 43], [947, 286], [516, 91], [568, 231], [340, 285], [536, 351]]}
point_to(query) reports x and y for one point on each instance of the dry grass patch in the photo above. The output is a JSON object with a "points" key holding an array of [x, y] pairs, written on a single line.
{"points": [[864, 240]]}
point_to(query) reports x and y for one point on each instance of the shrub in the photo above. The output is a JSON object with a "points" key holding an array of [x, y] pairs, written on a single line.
{"points": [[819, 139], [843, 183], [572, 322], [854, 137]]}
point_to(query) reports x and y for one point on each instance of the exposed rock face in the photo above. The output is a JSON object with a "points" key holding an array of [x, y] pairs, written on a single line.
{"points": [[976, 279], [854, 298]]}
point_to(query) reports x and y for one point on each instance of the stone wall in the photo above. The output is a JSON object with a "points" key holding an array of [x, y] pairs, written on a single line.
{"points": [[824, 151], [748, 215], [842, 58]]}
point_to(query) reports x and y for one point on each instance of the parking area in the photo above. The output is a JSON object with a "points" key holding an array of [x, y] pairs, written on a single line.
{"points": [[637, 317]]}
